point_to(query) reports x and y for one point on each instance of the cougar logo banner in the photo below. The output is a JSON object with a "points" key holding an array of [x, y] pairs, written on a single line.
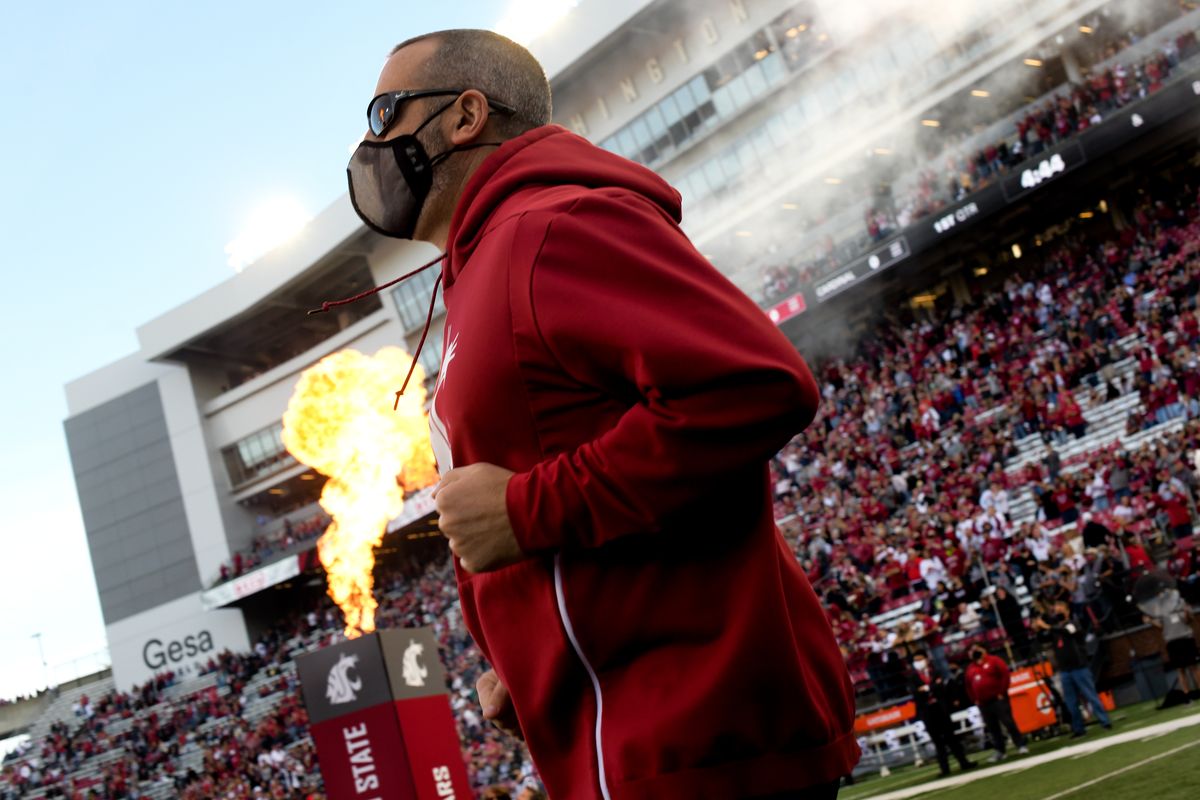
{"points": [[414, 673], [340, 687]]}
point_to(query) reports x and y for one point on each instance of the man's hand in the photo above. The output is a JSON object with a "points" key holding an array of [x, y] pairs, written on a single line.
{"points": [[473, 515], [496, 704]]}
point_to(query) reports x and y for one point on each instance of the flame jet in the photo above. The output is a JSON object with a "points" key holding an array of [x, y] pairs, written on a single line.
{"points": [[340, 422]]}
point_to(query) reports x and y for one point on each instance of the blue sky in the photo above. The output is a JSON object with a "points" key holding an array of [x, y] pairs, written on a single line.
{"points": [[135, 140]]}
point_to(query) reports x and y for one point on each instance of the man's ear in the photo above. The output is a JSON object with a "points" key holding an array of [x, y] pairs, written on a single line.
{"points": [[470, 118]]}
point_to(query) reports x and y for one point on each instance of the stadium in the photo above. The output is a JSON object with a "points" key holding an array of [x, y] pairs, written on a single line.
{"points": [[981, 230]]}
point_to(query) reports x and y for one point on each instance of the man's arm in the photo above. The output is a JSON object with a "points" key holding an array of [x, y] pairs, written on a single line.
{"points": [[1005, 674], [627, 306], [969, 686]]}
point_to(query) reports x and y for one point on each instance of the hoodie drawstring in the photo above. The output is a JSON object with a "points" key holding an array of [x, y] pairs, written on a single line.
{"points": [[421, 344], [328, 304]]}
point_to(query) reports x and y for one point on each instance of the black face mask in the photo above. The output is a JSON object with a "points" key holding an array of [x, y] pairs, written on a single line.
{"points": [[389, 181]]}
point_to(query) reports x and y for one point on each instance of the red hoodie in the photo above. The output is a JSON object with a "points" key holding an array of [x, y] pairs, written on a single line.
{"points": [[660, 641], [988, 679]]}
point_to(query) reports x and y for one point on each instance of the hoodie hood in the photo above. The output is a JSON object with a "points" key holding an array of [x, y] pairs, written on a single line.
{"points": [[549, 157]]}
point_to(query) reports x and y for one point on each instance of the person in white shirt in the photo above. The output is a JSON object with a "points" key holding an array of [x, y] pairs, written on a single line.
{"points": [[1098, 491], [995, 500], [989, 525], [933, 571], [783, 487], [964, 527], [1045, 295], [830, 500], [970, 540], [1039, 544], [1123, 511], [968, 617]]}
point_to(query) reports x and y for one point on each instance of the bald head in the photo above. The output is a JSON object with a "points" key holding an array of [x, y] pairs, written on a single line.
{"points": [[495, 65], [489, 75]]}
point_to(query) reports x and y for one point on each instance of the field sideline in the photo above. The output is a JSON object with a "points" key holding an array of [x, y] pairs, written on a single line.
{"points": [[1148, 753]]}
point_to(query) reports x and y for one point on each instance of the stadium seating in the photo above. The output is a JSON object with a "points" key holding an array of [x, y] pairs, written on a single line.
{"points": [[873, 617]]}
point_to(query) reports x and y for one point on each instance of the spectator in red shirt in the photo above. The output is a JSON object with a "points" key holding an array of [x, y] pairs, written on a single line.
{"points": [[1064, 498], [987, 685], [1172, 500], [897, 580], [1139, 562], [1073, 417]]}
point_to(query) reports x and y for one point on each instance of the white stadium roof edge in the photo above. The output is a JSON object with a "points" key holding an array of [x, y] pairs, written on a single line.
{"points": [[580, 33]]}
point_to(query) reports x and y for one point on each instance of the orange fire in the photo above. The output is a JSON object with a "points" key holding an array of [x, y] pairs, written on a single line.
{"points": [[341, 423]]}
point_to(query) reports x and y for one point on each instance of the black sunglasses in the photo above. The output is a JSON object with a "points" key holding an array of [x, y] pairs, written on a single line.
{"points": [[381, 111]]}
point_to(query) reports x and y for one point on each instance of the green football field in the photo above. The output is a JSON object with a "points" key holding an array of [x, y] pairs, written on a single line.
{"points": [[1147, 760]]}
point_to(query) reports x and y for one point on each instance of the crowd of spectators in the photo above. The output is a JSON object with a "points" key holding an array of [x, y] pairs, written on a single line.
{"points": [[1042, 126], [780, 283], [899, 494], [264, 547]]}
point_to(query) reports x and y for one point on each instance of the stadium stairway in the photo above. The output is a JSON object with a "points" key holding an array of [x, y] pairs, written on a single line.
{"points": [[60, 709], [1106, 424], [1024, 508]]}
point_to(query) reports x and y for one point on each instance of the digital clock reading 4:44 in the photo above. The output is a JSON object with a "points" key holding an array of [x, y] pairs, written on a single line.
{"points": [[1043, 171]]}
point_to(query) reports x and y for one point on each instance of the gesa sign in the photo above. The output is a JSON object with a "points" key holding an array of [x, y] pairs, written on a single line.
{"points": [[157, 654]]}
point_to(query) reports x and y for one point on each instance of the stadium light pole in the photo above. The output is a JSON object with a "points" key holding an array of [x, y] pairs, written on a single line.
{"points": [[991, 592], [42, 654]]}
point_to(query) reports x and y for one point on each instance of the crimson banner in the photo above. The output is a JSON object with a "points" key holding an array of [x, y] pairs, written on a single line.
{"points": [[381, 720]]}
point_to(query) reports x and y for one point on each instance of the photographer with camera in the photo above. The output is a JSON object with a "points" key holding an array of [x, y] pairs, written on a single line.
{"points": [[1066, 640]]}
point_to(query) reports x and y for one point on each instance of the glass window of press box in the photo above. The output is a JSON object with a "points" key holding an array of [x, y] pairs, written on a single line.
{"points": [[766, 63], [910, 50], [739, 79], [256, 456], [431, 360], [412, 299], [747, 73]]}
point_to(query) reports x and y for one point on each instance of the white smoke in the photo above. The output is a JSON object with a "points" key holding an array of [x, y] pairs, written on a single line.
{"points": [[877, 138]]}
